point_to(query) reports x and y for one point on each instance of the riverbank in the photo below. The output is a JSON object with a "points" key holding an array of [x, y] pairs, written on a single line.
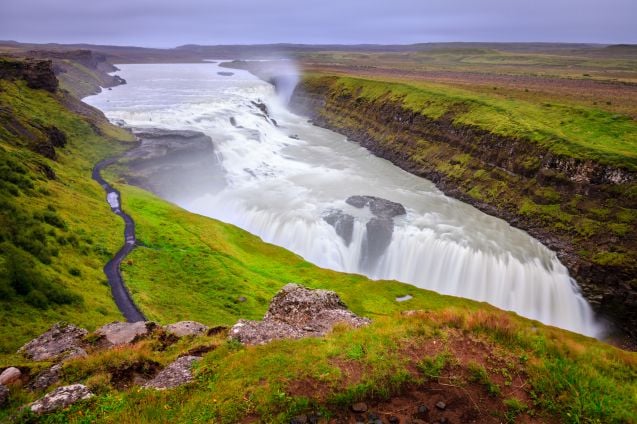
{"points": [[570, 204]]}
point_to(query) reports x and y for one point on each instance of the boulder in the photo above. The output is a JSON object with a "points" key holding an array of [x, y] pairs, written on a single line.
{"points": [[186, 328], [61, 398], [297, 312], [46, 378], [61, 340], [120, 333], [10, 375], [343, 224], [175, 374], [4, 395], [381, 208], [379, 230]]}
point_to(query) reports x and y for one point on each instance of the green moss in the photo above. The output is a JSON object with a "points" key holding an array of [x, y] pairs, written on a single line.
{"points": [[574, 131], [611, 258]]}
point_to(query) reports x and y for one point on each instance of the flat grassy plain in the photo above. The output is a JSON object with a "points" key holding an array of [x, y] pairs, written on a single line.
{"points": [[602, 77]]}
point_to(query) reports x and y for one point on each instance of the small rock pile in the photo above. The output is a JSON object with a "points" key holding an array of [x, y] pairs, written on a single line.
{"points": [[66, 341], [297, 312]]}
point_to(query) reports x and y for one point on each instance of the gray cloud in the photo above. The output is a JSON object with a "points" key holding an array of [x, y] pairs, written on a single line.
{"points": [[167, 23]]}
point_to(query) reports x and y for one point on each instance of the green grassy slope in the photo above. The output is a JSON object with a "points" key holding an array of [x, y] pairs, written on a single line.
{"points": [[56, 233], [573, 131]]}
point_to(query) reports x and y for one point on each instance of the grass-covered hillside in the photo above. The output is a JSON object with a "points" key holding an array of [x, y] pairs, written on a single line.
{"points": [[486, 363], [57, 232]]}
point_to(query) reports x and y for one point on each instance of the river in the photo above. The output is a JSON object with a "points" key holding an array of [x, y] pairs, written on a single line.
{"points": [[293, 191]]}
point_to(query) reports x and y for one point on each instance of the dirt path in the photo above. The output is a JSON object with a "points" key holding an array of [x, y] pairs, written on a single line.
{"points": [[112, 268]]}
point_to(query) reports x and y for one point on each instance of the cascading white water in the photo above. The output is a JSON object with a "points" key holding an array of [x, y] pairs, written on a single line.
{"points": [[283, 188]]}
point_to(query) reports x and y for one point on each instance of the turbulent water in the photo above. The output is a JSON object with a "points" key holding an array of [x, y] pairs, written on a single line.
{"points": [[285, 189]]}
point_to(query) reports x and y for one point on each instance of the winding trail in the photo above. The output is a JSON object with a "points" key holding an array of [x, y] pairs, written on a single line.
{"points": [[121, 295]]}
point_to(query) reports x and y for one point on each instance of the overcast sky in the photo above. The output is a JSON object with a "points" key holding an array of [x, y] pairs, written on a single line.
{"points": [[169, 23]]}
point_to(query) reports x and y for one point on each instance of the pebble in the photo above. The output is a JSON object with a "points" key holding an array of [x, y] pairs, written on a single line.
{"points": [[359, 407], [422, 410], [394, 419], [441, 405]]}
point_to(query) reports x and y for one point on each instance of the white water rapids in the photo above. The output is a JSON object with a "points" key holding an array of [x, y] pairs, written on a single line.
{"points": [[281, 189]]}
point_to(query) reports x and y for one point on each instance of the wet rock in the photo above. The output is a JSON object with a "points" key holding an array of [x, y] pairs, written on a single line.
{"points": [[10, 375], [381, 208], [441, 405], [262, 107], [297, 312], [359, 407], [225, 74], [175, 374], [294, 136], [377, 239], [46, 378], [379, 230], [186, 328], [119, 333], [4, 395], [233, 121], [61, 398], [343, 224], [61, 339]]}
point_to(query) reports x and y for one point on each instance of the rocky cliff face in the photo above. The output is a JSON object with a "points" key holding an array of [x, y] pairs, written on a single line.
{"points": [[511, 172], [38, 74]]}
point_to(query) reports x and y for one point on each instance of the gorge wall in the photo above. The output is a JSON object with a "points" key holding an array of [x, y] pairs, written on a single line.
{"points": [[557, 199]]}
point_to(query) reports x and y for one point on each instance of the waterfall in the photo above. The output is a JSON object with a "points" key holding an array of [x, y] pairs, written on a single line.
{"points": [[313, 192]]}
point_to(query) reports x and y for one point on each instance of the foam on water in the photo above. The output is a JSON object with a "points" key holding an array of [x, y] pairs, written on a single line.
{"points": [[280, 188]]}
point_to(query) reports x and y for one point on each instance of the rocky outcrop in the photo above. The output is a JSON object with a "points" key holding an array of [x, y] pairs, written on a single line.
{"points": [[392, 131], [61, 341], [296, 312], [175, 374], [343, 224], [174, 164], [120, 333], [46, 378], [61, 398], [186, 328], [9, 376], [38, 74], [379, 229]]}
